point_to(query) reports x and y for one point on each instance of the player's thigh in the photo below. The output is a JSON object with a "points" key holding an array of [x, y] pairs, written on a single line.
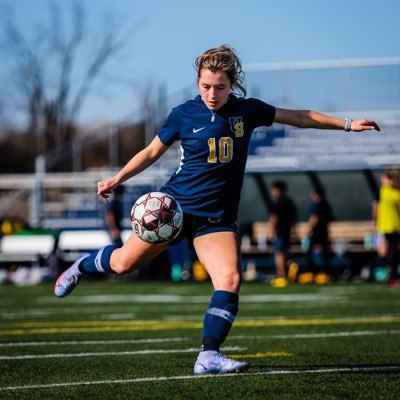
{"points": [[219, 252], [134, 253]]}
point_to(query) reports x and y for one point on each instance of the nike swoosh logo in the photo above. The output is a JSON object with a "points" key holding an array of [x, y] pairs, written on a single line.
{"points": [[198, 130]]}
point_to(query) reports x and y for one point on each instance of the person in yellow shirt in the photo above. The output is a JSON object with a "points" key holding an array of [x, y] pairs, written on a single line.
{"points": [[387, 214]]}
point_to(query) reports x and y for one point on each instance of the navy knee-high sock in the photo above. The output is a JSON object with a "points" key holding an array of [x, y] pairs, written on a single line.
{"points": [[219, 318], [99, 261]]}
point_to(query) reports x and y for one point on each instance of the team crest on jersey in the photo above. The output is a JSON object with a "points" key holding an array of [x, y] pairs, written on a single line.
{"points": [[237, 126]]}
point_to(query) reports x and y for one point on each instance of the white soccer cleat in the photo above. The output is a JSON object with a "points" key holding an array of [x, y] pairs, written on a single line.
{"points": [[69, 279], [212, 362]]}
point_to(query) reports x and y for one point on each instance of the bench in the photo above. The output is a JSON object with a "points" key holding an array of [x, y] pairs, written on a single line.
{"points": [[345, 236], [26, 248], [352, 248], [72, 243]]}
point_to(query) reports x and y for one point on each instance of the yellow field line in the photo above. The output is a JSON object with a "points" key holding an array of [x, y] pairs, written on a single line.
{"points": [[34, 328], [320, 321]]}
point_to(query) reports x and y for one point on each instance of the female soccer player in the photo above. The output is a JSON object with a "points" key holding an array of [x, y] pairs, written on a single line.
{"points": [[214, 131]]}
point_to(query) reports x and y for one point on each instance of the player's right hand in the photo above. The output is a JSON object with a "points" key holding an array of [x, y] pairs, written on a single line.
{"points": [[104, 188]]}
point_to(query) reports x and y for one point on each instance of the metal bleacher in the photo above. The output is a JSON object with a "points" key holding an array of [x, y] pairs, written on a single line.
{"points": [[313, 150]]}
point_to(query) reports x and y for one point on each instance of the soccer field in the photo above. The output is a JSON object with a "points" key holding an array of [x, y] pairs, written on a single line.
{"points": [[139, 340]]}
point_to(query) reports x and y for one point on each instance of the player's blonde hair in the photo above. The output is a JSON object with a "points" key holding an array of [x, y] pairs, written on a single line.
{"points": [[223, 58]]}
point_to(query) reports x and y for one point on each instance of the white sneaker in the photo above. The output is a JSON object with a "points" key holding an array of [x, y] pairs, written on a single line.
{"points": [[70, 278], [212, 362]]}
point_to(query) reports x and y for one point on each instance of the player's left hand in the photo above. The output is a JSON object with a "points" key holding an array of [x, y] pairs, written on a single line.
{"points": [[364, 125]]}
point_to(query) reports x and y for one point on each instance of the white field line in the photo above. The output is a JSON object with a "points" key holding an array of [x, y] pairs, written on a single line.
{"points": [[111, 353], [192, 377], [117, 316], [92, 342], [181, 339], [318, 335], [164, 298], [94, 311], [192, 317], [29, 313]]}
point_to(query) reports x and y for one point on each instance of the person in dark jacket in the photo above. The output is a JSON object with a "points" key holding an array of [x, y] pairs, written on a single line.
{"points": [[282, 218], [316, 241]]}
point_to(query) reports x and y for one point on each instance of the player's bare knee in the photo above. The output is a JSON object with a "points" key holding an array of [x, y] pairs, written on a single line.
{"points": [[233, 282]]}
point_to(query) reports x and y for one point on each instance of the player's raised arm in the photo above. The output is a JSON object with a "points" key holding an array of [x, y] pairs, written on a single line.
{"points": [[137, 164], [313, 119]]}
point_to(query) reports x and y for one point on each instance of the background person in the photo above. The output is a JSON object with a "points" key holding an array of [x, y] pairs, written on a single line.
{"points": [[282, 218], [214, 131], [114, 216], [316, 239], [387, 216]]}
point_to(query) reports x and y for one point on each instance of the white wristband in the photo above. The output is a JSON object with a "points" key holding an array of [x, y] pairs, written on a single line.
{"points": [[347, 125]]}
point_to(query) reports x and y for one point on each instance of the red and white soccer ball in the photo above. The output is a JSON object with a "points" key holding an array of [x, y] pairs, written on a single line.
{"points": [[156, 218]]}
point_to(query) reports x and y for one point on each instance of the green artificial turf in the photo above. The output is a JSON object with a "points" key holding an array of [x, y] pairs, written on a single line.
{"points": [[139, 340]]}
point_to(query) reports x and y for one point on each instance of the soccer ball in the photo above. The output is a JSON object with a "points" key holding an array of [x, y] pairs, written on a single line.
{"points": [[156, 218]]}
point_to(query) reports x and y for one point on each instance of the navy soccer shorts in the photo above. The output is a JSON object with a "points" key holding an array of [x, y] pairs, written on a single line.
{"points": [[194, 226]]}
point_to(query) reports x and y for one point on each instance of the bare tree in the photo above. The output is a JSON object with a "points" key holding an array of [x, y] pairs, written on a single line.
{"points": [[50, 90]]}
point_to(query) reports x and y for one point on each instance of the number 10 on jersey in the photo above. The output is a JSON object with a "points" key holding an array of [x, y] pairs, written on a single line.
{"points": [[223, 151]]}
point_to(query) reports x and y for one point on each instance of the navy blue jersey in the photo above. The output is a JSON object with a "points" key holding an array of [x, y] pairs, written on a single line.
{"points": [[214, 148]]}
